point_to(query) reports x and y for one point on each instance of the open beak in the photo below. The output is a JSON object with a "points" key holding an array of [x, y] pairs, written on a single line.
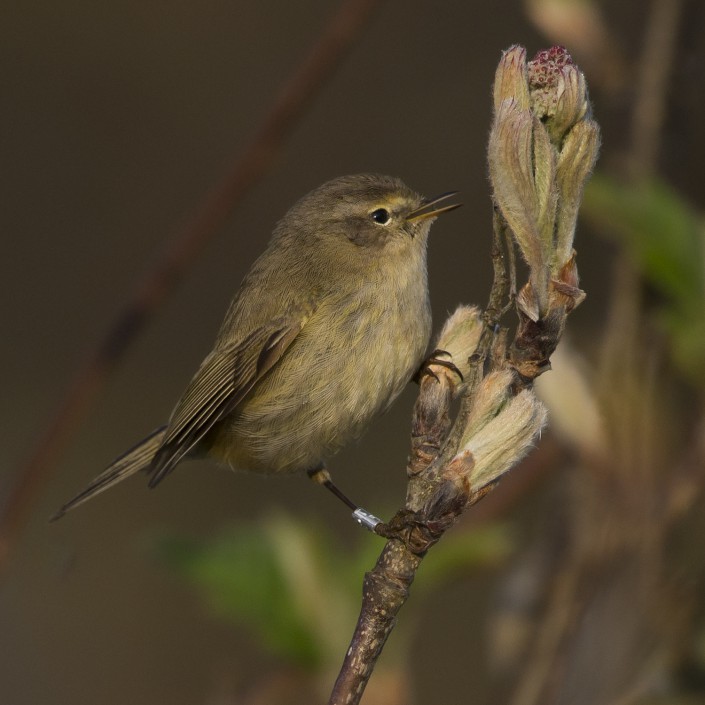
{"points": [[427, 209]]}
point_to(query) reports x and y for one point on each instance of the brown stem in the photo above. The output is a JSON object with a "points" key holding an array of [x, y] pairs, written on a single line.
{"points": [[306, 81], [504, 280], [385, 590], [386, 587], [433, 503]]}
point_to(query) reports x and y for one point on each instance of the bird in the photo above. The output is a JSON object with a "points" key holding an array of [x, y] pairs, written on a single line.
{"points": [[329, 325]]}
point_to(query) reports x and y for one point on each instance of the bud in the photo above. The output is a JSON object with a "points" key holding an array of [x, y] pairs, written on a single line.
{"points": [[543, 145], [575, 163], [515, 160], [491, 394], [511, 80], [460, 336], [499, 432], [558, 91]]}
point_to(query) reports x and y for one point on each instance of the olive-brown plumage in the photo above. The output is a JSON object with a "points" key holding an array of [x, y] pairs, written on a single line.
{"points": [[326, 329]]}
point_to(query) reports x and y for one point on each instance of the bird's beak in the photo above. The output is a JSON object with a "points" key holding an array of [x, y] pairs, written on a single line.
{"points": [[427, 210]]}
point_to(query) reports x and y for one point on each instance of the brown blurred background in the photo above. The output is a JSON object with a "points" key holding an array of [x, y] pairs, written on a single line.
{"points": [[118, 117]]}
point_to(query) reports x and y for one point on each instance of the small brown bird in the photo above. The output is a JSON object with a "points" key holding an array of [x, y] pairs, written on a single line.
{"points": [[328, 326]]}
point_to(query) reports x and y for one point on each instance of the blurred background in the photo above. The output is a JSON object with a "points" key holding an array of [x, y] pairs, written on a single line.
{"points": [[580, 580]]}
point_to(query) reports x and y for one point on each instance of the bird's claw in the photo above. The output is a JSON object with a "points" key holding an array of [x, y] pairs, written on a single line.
{"points": [[417, 534], [434, 359]]}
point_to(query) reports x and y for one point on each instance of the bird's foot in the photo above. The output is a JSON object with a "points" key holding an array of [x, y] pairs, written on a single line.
{"points": [[321, 476], [416, 534], [435, 359]]}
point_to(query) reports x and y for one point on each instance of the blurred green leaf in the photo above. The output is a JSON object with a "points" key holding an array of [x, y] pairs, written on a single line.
{"points": [[666, 239], [243, 581], [299, 591]]}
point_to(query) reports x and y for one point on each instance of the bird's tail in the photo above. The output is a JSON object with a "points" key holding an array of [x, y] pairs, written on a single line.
{"points": [[134, 460]]}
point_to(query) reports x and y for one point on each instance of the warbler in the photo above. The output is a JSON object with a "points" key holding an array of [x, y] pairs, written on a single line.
{"points": [[328, 326]]}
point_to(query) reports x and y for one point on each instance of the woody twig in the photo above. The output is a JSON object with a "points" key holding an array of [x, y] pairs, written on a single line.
{"points": [[542, 147]]}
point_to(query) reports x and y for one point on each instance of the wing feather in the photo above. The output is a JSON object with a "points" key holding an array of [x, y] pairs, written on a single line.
{"points": [[226, 376]]}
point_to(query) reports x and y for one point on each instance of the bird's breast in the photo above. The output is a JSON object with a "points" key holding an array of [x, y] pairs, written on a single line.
{"points": [[351, 360]]}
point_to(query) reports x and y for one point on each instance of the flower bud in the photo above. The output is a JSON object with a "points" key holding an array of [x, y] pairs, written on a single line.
{"points": [[499, 432], [460, 336], [510, 82], [543, 145]]}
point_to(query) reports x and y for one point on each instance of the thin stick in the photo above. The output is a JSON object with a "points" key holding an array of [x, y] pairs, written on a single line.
{"points": [[385, 590], [306, 81]]}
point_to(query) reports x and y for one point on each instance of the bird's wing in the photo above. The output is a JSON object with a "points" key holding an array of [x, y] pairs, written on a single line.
{"points": [[226, 376]]}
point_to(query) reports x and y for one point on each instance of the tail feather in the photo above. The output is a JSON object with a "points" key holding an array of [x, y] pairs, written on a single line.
{"points": [[136, 459]]}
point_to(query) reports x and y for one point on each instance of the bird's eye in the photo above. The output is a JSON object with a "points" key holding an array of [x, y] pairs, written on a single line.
{"points": [[381, 216]]}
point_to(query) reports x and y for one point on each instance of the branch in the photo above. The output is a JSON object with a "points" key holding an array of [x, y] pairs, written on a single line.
{"points": [[305, 82], [543, 145]]}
